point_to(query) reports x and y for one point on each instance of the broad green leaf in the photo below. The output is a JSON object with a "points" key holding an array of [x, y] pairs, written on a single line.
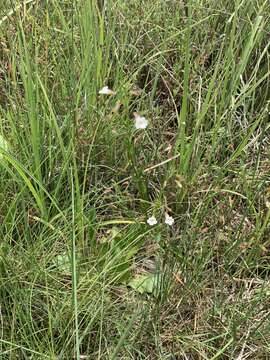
{"points": [[62, 262], [110, 235], [145, 283]]}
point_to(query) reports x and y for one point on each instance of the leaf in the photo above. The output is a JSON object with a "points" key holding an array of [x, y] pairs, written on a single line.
{"points": [[135, 91], [3, 145], [110, 235], [145, 283], [62, 262], [91, 227]]}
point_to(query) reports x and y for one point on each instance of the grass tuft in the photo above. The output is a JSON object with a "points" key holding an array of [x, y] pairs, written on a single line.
{"points": [[181, 140]]}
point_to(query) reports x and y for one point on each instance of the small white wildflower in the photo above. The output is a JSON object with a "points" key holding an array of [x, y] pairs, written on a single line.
{"points": [[152, 221], [140, 121], [106, 91], [169, 220]]}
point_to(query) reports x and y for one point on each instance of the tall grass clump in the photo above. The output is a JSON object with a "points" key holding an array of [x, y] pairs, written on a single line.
{"points": [[134, 179]]}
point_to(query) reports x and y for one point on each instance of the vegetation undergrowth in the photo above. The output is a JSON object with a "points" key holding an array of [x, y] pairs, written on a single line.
{"points": [[134, 177]]}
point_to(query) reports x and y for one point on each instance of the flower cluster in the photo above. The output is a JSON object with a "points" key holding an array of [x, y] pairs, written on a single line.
{"points": [[140, 122], [169, 220]]}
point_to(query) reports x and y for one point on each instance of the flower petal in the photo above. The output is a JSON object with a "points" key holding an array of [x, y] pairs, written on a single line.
{"points": [[106, 91], [140, 121], [152, 221], [169, 220]]}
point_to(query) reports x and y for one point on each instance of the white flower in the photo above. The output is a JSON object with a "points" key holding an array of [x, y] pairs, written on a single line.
{"points": [[140, 121], [106, 91], [169, 220], [152, 221]]}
